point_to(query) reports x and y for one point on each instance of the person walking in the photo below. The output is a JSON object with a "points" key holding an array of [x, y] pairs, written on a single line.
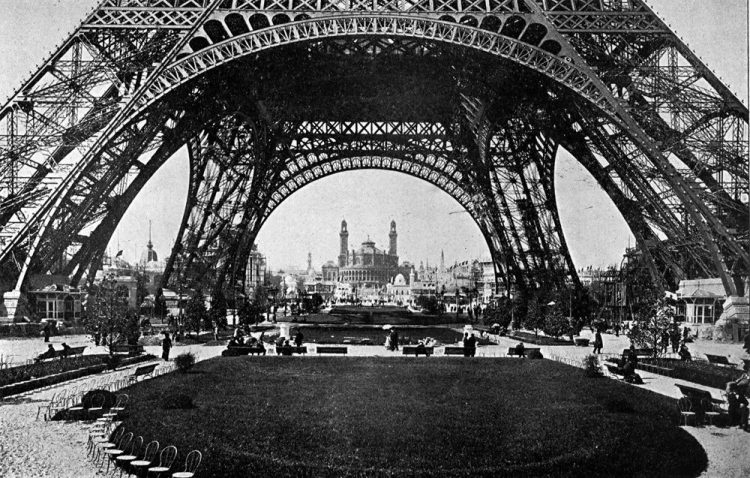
{"points": [[166, 344], [598, 343], [298, 338], [46, 331], [617, 329], [394, 339]]}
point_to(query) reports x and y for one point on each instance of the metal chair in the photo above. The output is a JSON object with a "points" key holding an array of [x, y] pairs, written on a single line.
{"points": [[130, 455], [711, 410], [120, 404], [55, 397], [686, 408], [146, 460], [192, 462], [105, 442], [97, 404], [114, 452], [166, 458]]}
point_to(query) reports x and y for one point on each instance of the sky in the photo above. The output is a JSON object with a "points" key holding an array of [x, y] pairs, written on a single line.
{"points": [[428, 220]]}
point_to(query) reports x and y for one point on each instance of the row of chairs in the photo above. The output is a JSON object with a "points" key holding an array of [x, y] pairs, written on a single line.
{"points": [[72, 395], [126, 453]]}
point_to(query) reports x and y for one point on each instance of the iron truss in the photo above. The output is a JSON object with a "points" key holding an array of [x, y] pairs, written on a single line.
{"points": [[502, 85]]}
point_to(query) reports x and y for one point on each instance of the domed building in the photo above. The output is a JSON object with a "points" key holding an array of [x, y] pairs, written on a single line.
{"points": [[150, 265], [367, 267]]}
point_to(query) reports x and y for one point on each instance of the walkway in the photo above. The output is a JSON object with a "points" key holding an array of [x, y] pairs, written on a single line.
{"points": [[53, 449]]}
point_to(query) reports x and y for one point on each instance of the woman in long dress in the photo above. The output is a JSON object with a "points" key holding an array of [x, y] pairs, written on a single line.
{"points": [[166, 344]]}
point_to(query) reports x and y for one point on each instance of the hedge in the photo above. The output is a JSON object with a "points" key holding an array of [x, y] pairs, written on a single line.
{"points": [[699, 372], [55, 378]]}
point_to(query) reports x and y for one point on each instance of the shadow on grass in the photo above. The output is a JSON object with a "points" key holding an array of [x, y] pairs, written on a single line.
{"points": [[372, 417]]}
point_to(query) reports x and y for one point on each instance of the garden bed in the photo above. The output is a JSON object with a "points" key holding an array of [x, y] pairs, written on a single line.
{"points": [[56, 372], [375, 335], [696, 371], [537, 339], [394, 417]]}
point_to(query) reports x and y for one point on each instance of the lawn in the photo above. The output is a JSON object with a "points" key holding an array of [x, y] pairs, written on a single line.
{"points": [[372, 417]]}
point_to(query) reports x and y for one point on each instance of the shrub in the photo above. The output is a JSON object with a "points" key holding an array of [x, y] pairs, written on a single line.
{"points": [[49, 367], [177, 401], [591, 366], [535, 354], [184, 361], [109, 398], [112, 361]]}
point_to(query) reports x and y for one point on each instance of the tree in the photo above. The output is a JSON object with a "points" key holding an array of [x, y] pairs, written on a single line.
{"points": [[107, 312], [646, 332], [534, 319], [555, 323], [245, 312], [195, 311], [218, 315], [428, 302]]}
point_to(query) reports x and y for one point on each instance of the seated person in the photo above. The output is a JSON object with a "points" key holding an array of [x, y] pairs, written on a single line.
{"points": [[287, 348], [685, 354], [279, 345], [49, 353], [520, 350], [65, 350]]}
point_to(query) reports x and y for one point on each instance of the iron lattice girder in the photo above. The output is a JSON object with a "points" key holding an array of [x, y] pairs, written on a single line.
{"points": [[595, 16]]}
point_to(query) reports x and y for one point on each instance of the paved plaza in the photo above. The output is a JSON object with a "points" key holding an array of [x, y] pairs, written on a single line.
{"points": [[35, 448]]}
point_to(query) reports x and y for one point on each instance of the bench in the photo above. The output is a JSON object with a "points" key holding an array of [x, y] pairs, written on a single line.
{"points": [[719, 360], [454, 350], [127, 348], [142, 371], [701, 401], [290, 350], [417, 350], [654, 368], [526, 351], [697, 394], [581, 342], [241, 350], [331, 350]]}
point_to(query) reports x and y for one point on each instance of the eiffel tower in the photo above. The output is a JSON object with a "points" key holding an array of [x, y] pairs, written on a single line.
{"points": [[473, 96]]}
